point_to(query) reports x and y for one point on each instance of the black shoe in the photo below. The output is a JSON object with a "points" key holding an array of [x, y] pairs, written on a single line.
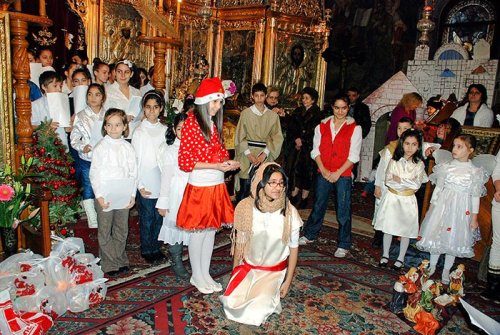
{"points": [[124, 269], [148, 257], [159, 257], [398, 265], [113, 273], [383, 262]]}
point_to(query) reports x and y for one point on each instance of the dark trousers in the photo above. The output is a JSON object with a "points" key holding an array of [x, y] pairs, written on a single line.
{"points": [[150, 222], [343, 188]]}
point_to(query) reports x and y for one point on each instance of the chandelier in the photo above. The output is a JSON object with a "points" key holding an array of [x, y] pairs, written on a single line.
{"points": [[205, 12]]}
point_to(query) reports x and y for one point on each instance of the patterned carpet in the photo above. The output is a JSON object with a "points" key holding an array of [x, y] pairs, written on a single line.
{"points": [[329, 296]]}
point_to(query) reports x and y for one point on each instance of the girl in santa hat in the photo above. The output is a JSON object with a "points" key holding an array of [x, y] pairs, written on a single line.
{"points": [[205, 205]]}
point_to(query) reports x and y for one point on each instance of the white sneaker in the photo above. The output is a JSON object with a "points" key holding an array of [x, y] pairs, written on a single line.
{"points": [[304, 240], [341, 253]]}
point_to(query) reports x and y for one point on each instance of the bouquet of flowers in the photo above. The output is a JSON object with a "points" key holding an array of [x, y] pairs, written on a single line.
{"points": [[14, 194]]}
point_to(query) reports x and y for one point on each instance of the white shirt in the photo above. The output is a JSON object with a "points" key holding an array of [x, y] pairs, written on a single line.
{"points": [[146, 141], [112, 159], [81, 133], [40, 112], [484, 116], [356, 139], [116, 99]]}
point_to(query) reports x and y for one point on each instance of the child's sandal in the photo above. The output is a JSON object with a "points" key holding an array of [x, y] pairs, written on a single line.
{"points": [[383, 262]]}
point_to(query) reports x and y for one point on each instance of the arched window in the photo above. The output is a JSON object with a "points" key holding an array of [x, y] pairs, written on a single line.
{"points": [[469, 21]]}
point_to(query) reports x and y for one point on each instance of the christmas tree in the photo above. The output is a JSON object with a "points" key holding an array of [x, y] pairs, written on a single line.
{"points": [[55, 166]]}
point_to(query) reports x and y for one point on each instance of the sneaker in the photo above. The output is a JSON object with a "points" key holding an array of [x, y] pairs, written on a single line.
{"points": [[341, 253], [304, 240]]}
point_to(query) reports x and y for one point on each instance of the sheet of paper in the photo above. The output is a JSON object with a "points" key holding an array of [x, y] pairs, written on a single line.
{"points": [[151, 181], [118, 193], [481, 320], [90, 68], [79, 95], [134, 106], [95, 133], [59, 108], [36, 70]]}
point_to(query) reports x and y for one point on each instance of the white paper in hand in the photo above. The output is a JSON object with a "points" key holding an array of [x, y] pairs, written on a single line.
{"points": [[134, 106], [96, 133], [59, 108], [79, 95], [151, 181], [36, 70], [118, 193]]}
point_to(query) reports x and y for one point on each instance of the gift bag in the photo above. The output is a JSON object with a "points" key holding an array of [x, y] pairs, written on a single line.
{"points": [[84, 272], [52, 302], [65, 245], [56, 274], [83, 296]]}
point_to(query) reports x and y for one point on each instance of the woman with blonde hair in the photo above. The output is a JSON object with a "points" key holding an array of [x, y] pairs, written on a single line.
{"points": [[406, 107]]}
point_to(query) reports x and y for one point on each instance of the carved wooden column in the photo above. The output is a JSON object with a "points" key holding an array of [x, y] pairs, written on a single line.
{"points": [[21, 72], [268, 75], [161, 44]]}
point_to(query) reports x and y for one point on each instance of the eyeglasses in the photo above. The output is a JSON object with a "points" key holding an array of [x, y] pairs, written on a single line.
{"points": [[276, 183]]}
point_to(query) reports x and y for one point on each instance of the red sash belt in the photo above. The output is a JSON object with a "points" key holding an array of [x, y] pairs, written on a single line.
{"points": [[240, 272]]}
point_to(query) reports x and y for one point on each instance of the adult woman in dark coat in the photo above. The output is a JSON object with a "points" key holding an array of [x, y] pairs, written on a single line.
{"points": [[300, 133]]}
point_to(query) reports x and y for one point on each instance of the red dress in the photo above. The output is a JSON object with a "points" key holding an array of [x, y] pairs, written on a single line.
{"points": [[206, 203]]}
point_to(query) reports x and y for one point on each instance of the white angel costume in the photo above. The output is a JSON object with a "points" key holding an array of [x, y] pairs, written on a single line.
{"points": [[446, 227], [397, 214], [253, 292], [173, 184]]}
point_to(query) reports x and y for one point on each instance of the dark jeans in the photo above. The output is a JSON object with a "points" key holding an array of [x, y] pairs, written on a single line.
{"points": [[244, 189], [87, 192], [343, 188], [150, 222]]}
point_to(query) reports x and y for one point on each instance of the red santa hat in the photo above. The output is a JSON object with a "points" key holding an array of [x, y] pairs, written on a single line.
{"points": [[210, 89]]}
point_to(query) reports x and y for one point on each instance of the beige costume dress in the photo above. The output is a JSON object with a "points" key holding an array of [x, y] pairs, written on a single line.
{"points": [[257, 296], [398, 211]]}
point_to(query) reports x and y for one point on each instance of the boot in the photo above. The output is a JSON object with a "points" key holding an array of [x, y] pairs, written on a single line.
{"points": [[177, 265], [88, 206], [492, 292]]}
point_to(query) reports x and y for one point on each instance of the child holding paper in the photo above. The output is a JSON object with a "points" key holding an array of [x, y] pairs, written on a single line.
{"points": [[84, 136], [53, 105], [147, 138], [113, 175]]}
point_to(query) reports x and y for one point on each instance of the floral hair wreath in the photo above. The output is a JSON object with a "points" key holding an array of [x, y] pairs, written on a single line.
{"points": [[126, 62]]}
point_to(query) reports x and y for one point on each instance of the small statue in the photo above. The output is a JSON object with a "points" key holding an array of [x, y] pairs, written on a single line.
{"points": [[456, 281], [427, 295], [404, 286]]}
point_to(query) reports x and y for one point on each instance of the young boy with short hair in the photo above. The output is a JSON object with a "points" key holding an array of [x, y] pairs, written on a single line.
{"points": [[258, 138]]}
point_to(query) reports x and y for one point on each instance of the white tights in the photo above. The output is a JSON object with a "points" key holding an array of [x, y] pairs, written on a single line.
{"points": [[201, 246], [403, 246], [448, 263]]}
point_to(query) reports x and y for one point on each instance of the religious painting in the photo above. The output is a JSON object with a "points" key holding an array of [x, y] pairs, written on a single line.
{"points": [[488, 139], [237, 60], [6, 107], [120, 29], [296, 60]]}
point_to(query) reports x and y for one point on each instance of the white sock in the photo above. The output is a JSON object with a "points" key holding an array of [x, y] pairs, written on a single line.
{"points": [[432, 263], [448, 263], [208, 248], [386, 245], [195, 249], [403, 246]]}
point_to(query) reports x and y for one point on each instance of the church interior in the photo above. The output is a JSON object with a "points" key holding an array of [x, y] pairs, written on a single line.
{"points": [[380, 49]]}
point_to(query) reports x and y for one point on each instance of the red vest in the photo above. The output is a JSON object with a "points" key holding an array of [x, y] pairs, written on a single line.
{"points": [[333, 155]]}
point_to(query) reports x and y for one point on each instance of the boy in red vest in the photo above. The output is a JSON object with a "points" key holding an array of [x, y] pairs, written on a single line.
{"points": [[336, 148]]}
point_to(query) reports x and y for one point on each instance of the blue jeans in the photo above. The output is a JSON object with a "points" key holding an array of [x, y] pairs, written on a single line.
{"points": [[150, 222], [343, 188], [87, 191]]}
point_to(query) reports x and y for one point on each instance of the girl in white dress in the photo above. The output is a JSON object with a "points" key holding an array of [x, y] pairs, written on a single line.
{"points": [[450, 224], [265, 249], [173, 184], [397, 214]]}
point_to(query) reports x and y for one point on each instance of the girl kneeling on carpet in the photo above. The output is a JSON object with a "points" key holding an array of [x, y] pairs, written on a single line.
{"points": [[205, 205], [173, 184], [397, 214], [265, 249]]}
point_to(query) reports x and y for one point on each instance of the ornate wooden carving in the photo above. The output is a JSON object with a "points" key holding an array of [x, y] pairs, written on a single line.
{"points": [[6, 117]]}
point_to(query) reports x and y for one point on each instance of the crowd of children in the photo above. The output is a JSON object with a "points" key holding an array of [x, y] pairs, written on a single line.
{"points": [[125, 156]]}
